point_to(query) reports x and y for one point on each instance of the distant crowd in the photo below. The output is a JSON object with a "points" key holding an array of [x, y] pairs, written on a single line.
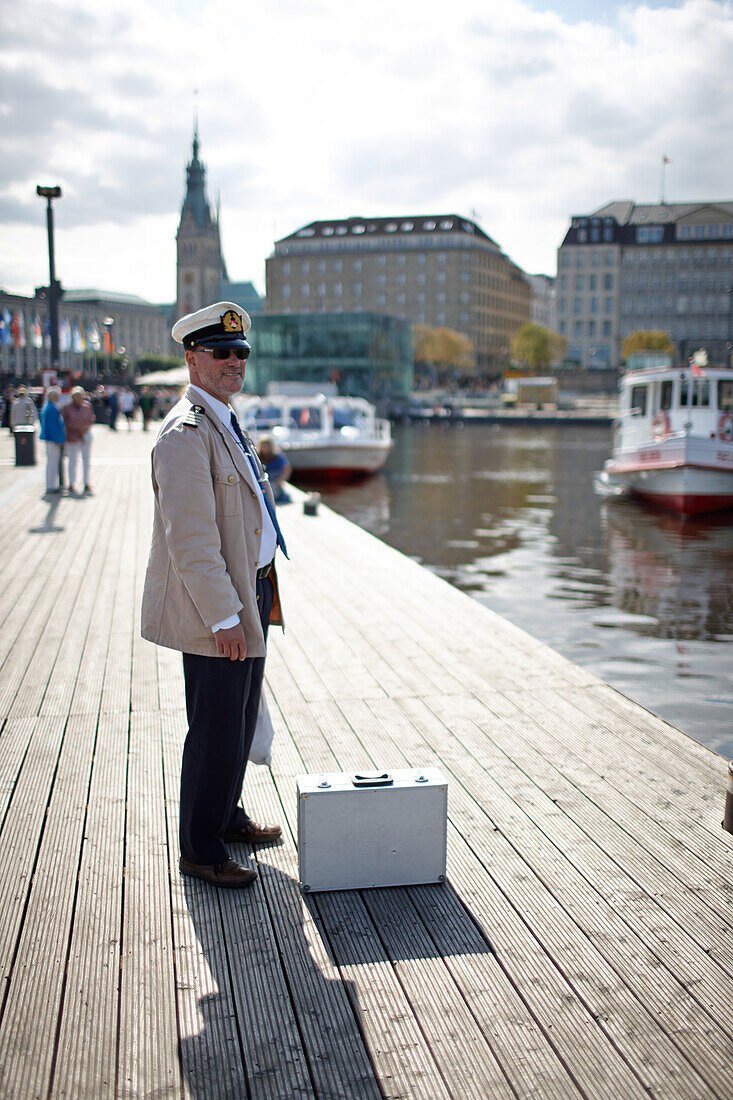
{"points": [[111, 404]]}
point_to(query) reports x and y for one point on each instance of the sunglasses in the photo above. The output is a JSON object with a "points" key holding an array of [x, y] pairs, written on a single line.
{"points": [[224, 353]]}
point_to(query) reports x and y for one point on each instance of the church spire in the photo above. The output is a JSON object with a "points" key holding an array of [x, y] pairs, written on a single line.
{"points": [[195, 202]]}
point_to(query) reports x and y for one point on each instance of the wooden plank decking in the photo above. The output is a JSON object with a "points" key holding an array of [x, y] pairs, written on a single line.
{"points": [[581, 947]]}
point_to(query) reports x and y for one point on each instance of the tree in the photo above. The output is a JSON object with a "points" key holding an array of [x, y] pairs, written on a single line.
{"points": [[442, 348], [535, 346], [647, 340]]}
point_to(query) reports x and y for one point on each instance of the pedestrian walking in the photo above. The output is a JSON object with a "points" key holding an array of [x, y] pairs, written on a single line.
{"points": [[78, 418], [53, 434]]}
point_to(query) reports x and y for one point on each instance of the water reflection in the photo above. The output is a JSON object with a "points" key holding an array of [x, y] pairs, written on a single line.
{"points": [[676, 574], [641, 597]]}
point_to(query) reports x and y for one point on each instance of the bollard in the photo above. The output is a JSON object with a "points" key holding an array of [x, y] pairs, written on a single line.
{"points": [[728, 812], [310, 504]]}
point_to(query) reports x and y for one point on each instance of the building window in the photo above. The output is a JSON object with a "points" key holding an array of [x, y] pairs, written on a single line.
{"points": [[440, 317], [594, 305], [321, 290], [381, 299], [592, 282], [591, 328], [649, 234], [606, 328], [305, 267], [321, 267], [608, 305], [401, 260], [578, 329], [577, 305], [338, 266], [421, 299], [579, 282], [421, 278], [421, 259], [381, 280], [442, 276], [401, 299], [286, 267], [338, 289], [305, 290], [440, 299], [357, 265], [356, 289], [441, 257], [286, 290], [401, 278], [608, 282]]}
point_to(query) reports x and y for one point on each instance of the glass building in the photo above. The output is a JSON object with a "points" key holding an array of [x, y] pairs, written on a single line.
{"points": [[365, 354]]}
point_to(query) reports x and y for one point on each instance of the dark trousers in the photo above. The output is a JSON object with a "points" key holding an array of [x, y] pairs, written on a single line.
{"points": [[222, 699]]}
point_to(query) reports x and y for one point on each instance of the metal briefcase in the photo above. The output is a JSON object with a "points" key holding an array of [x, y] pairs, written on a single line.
{"points": [[358, 831]]}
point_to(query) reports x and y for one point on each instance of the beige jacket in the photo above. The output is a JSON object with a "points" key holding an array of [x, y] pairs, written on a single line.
{"points": [[206, 536]]}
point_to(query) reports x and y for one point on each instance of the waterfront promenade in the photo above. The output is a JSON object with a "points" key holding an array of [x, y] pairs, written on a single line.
{"points": [[581, 947]]}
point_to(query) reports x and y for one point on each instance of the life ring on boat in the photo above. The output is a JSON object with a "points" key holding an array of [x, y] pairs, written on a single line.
{"points": [[725, 427], [661, 426]]}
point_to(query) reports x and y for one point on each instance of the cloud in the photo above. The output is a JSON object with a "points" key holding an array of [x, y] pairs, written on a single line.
{"points": [[327, 109]]}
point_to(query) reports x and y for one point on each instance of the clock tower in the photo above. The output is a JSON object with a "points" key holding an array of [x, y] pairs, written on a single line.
{"points": [[199, 262]]}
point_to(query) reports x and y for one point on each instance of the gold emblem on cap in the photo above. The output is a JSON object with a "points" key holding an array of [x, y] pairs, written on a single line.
{"points": [[231, 321]]}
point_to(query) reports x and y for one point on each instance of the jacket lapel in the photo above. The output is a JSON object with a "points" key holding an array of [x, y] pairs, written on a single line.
{"points": [[239, 459]]}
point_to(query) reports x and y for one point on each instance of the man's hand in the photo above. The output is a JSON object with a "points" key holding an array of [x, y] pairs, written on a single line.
{"points": [[231, 643]]}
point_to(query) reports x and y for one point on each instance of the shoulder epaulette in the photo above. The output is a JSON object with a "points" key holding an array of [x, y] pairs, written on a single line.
{"points": [[194, 416]]}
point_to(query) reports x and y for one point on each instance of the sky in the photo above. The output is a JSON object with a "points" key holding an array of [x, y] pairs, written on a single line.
{"points": [[517, 113]]}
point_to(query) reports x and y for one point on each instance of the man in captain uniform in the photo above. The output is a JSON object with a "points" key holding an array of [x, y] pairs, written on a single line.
{"points": [[211, 590]]}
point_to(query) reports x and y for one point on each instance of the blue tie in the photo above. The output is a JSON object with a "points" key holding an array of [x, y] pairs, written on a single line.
{"points": [[268, 504]]}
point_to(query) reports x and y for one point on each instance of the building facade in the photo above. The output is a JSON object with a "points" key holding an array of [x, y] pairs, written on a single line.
{"points": [[542, 306], [627, 267], [441, 270], [364, 354], [200, 268], [93, 325]]}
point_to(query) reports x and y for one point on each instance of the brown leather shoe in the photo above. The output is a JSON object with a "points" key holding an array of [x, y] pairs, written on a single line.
{"points": [[254, 833], [229, 873]]}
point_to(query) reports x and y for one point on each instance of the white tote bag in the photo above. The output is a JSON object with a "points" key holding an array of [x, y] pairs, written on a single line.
{"points": [[261, 750]]}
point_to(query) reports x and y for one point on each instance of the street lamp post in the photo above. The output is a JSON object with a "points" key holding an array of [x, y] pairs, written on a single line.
{"points": [[50, 193]]}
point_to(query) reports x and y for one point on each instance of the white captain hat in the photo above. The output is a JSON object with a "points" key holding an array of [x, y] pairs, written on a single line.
{"points": [[221, 325]]}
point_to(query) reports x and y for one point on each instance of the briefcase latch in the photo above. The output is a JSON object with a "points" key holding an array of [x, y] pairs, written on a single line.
{"points": [[376, 779]]}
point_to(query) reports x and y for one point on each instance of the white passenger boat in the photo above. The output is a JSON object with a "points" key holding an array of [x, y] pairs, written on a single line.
{"points": [[673, 441], [322, 435]]}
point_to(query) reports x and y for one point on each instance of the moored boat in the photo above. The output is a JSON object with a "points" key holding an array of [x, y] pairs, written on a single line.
{"points": [[673, 440], [321, 435]]}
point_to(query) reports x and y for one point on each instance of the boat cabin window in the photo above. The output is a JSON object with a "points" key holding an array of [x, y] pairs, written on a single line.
{"points": [[267, 414], [638, 400], [305, 416], [700, 393], [665, 394], [725, 394], [345, 418]]}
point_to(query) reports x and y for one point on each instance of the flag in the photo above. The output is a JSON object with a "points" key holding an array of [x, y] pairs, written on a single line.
{"points": [[64, 333], [15, 330], [47, 333], [77, 340], [5, 334], [697, 371], [92, 336], [21, 328], [37, 333], [108, 343]]}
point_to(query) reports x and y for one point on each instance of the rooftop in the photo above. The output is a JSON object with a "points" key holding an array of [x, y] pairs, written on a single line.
{"points": [[356, 227]]}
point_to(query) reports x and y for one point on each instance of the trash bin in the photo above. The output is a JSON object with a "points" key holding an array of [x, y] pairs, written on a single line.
{"points": [[25, 445]]}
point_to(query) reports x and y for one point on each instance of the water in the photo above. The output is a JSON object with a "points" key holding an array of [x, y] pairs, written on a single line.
{"points": [[508, 514]]}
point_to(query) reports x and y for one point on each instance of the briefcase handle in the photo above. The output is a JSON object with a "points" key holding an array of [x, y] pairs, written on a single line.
{"points": [[383, 779]]}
